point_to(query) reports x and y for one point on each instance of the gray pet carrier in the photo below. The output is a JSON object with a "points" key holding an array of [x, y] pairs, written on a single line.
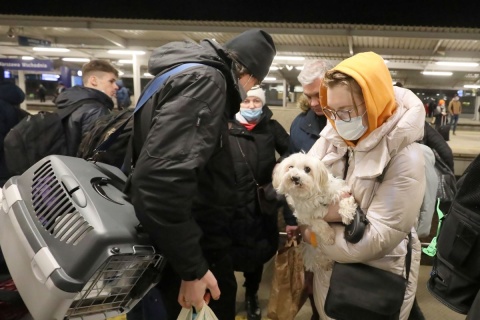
{"points": [[70, 240]]}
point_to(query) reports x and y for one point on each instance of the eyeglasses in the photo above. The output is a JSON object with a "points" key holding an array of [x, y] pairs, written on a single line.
{"points": [[344, 115]]}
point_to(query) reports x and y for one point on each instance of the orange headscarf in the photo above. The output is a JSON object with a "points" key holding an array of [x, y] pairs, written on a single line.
{"points": [[370, 72]]}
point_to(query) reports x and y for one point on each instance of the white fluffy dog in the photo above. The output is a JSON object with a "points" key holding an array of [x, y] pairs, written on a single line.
{"points": [[310, 189]]}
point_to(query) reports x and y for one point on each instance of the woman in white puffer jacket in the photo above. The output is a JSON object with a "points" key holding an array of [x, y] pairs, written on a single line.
{"points": [[374, 126]]}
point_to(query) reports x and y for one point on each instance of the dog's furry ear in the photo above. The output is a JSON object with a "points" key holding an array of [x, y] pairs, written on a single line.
{"points": [[277, 175], [321, 173]]}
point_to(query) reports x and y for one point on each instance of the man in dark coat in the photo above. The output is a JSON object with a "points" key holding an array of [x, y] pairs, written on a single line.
{"points": [[99, 86], [183, 185], [306, 127], [11, 97]]}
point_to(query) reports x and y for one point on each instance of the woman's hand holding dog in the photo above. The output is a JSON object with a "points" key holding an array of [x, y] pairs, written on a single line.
{"points": [[333, 215]]}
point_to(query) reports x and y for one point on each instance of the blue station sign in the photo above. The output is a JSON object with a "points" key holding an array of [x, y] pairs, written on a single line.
{"points": [[30, 65], [32, 42]]}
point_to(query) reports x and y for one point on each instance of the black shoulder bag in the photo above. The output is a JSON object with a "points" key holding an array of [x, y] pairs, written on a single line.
{"points": [[359, 291]]}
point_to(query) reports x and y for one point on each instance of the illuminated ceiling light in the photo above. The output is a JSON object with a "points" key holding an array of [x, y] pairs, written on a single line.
{"points": [[76, 59], [269, 79], [437, 73], [126, 61], [456, 64], [273, 68], [79, 73], [120, 73], [27, 58], [289, 67], [289, 58], [147, 74], [472, 86], [299, 68], [136, 52], [386, 61], [48, 49]]}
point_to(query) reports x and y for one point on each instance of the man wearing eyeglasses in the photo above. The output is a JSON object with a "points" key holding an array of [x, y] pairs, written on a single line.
{"points": [[183, 187], [306, 127]]}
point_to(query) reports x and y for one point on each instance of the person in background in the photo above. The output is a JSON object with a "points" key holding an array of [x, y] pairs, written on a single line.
{"points": [[98, 88], [254, 138], [183, 186], [439, 114], [304, 132], [305, 128], [434, 140], [123, 96], [59, 89], [372, 131], [11, 96], [455, 109], [41, 92]]}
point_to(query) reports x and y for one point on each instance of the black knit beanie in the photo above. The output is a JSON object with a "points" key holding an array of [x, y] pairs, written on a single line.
{"points": [[255, 50]]}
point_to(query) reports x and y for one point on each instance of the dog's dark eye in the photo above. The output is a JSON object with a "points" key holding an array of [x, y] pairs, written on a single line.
{"points": [[307, 169], [290, 167]]}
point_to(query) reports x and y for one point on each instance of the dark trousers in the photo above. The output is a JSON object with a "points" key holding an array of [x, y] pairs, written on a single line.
{"points": [[454, 122], [224, 308], [252, 280], [150, 307]]}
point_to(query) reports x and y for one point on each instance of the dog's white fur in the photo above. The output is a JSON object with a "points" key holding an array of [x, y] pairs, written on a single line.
{"points": [[310, 189]]}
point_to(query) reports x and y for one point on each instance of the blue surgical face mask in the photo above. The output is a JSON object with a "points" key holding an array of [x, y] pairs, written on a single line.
{"points": [[352, 130], [251, 114]]}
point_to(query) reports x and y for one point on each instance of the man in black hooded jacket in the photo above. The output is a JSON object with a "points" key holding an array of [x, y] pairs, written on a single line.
{"points": [[99, 86], [183, 186]]}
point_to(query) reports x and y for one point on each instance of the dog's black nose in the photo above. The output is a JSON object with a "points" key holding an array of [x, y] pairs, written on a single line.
{"points": [[295, 179]]}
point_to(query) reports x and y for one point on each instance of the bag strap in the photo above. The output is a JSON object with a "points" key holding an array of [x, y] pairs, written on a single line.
{"points": [[378, 180], [408, 257], [147, 93], [431, 250], [246, 162]]}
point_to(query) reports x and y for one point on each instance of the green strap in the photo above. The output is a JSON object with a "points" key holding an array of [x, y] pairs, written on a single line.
{"points": [[431, 250]]}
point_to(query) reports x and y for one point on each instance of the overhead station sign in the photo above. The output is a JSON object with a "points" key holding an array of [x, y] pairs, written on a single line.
{"points": [[30, 65], [32, 42]]}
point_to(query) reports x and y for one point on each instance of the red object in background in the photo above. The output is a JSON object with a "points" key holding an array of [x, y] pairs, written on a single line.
{"points": [[11, 311]]}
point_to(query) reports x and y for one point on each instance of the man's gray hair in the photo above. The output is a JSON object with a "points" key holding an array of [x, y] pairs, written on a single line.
{"points": [[313, 70]]}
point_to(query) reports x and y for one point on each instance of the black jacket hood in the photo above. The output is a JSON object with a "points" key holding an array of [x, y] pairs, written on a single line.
{"points": [[78, 93], [206, 52], [178, 52], [10, 93]]}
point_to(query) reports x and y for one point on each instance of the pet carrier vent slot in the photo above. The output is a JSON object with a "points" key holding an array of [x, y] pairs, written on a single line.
{"points": [[54, 209]]}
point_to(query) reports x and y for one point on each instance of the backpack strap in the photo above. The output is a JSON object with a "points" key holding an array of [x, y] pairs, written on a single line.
{"points": [[68, 110], [147, 93]]}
